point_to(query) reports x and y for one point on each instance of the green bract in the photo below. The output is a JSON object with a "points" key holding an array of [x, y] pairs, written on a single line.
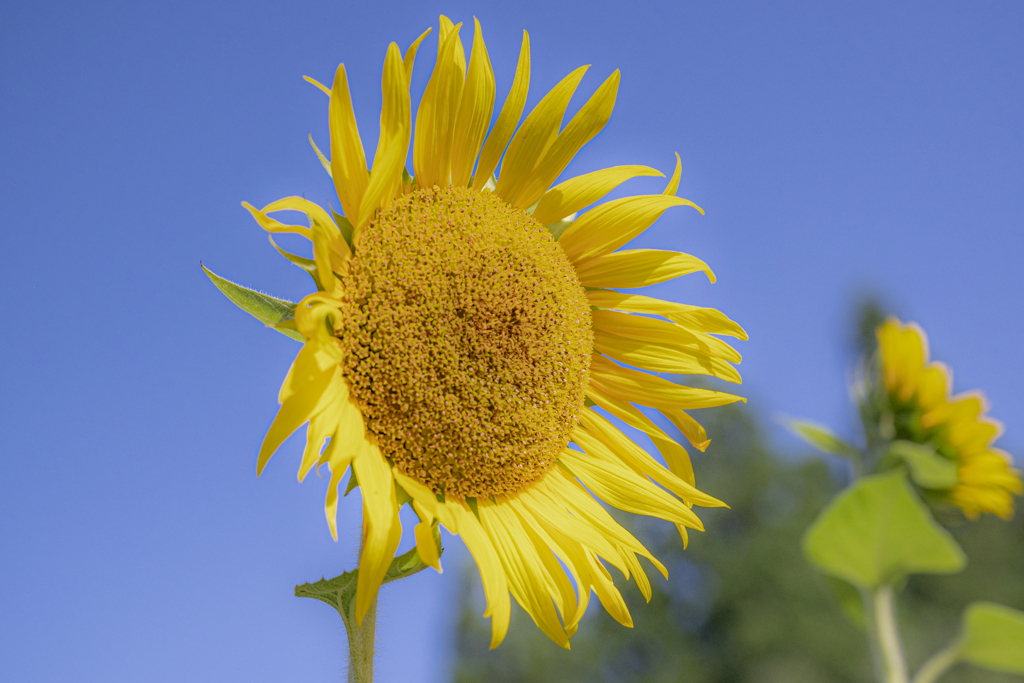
{"points": [[928, 469], [822, 438], [271, 311]]}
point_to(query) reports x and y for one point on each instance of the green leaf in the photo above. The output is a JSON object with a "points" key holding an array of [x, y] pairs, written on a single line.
{"points": [[822, 438], [878, 531], [271, 311], [340, 592], [928, 469], [850, 602], [993, 637]]}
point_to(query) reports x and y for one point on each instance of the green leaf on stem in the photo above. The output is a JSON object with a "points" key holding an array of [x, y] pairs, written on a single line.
{"points": [[340, 592], [928, 469], [850, 602], [993, 637], [271, 311], [877, 532]]}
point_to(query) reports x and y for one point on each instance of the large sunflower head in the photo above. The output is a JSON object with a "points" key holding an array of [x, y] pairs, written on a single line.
{"points": [[957, 427], [465, 348]]}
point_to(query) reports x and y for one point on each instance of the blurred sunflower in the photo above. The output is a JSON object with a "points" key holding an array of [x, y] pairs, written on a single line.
{"points": [[463, 331], [924, 412]]}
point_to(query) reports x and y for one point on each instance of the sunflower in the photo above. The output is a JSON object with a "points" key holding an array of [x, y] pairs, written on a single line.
{"points": [[957, 426], [464, 332]]}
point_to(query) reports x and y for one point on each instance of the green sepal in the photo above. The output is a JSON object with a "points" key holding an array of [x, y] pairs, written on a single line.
{"points": [[352, 481], [993, 637], [340, 592], [406, 178], [877, 532], [928, 469], [401, 495], [822, 438], [271, 311], [558, 227], [471, 502], [345, 226], [307, 264]]}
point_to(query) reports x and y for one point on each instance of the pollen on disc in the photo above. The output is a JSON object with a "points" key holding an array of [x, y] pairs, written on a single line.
{"points": [[467, 339]]}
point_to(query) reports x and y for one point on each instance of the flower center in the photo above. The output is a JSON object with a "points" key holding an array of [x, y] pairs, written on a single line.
{"points": [[467, 341]]}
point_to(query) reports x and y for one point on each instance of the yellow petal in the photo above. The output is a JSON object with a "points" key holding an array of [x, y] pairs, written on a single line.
{"points": [[553, 513], [273, 226], [499, 607], [638, 268], [321, 426], [410, 56], [577, 193], [346, 444], [707, 320], [581, 129], [582, 503], [426, 546], [348, 161], [318, 392], [424, 498], [637, 387], [535, 137], [548, 550], [474, 112], [393, 147], [607, 227], [382, 529], [318, 84], [315, 364], [330, 250], [601, 436], [623, 488], [658, 331], [658, 357], [435, 119], [508, 119], [571, 553], [673, 183], [639, 574], [447, 27], [527, 577], [691, 429], [676, 457], [608, 594]]}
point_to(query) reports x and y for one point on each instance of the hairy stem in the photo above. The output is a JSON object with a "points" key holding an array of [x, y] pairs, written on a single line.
{"points": [[360, 645]]}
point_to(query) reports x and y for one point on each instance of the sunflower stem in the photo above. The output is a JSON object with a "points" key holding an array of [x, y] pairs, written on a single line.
{"points": [[890, 664], [361, 640], [931, 670]]}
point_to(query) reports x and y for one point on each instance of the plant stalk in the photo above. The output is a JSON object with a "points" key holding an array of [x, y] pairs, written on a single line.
{"points": [[940, 662], [885, 634], [360, 645]]}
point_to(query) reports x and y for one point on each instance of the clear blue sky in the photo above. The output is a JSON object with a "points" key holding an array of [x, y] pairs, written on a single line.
{"points": [[837, 148]]}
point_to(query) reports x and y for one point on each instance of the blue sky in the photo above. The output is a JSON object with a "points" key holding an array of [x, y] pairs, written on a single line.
{"points": [[838, 149]]}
